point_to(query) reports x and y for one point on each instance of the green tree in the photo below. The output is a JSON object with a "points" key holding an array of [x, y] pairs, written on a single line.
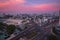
{"points": [[52, 37], [10, 29], [2, 26]]}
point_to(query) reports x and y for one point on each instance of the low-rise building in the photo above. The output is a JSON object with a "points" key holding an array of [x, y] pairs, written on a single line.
{"points": [[13, 21]]}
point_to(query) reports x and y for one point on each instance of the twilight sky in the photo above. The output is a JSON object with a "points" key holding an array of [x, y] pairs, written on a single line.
{"points": [[29, 6]]}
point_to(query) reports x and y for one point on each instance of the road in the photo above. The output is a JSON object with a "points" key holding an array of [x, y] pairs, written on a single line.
{"points": [[43, 32]]}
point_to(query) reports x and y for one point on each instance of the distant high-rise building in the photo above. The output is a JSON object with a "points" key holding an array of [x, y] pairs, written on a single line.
{"points": [[59, 17]]}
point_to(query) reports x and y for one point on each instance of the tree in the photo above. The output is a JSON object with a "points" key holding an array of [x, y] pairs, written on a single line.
{"points": [[52, 37], [2, 26], [10, 29]]}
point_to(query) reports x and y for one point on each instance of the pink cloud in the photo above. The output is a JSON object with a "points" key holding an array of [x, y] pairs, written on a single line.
{"points": [[28, 8], [40, 7], [17, 1], [12, 2]]}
